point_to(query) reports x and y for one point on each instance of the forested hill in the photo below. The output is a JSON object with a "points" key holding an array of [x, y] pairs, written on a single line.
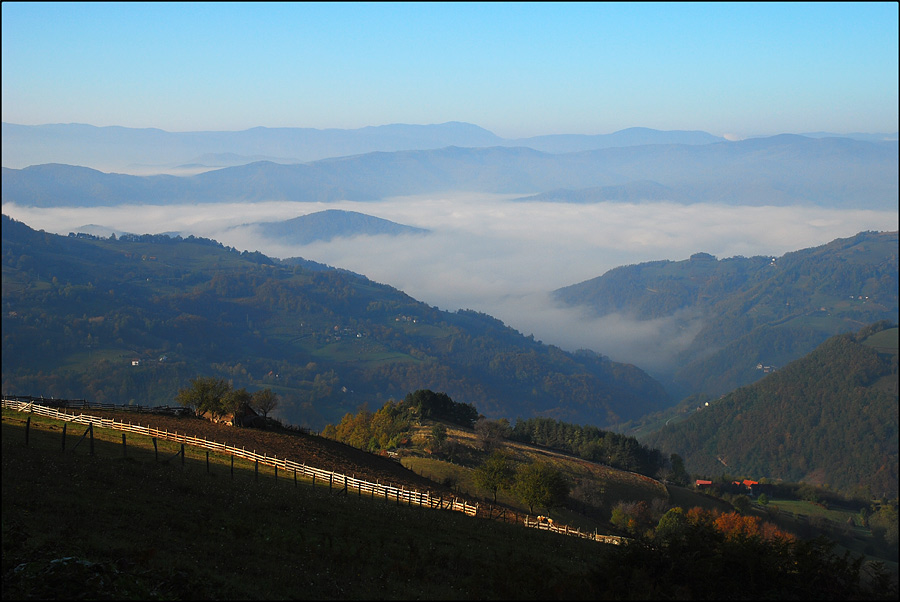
{"points": [[829, 418], [134, 319], [752, 312]]}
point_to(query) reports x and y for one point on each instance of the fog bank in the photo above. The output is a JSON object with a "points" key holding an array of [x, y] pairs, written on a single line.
{"points": [[491, 254]]}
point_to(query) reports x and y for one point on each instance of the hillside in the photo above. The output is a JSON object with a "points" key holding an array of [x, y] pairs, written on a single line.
{"points": [[133, 319], [827, 172], [138, 529], [753, 312], [329, 224], [149, 528], [829, 418]]}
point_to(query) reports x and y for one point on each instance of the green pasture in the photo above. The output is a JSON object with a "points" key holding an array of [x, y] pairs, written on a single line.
{"points": [[885, 341], [805, 508]]}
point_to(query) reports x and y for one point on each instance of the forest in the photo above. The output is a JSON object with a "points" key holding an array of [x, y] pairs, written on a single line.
{"points": [[132, 320], [829, 419]]}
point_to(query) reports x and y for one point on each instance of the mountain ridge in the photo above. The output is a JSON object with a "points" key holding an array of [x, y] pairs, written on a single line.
{"points": [[757, 310], [829, 418], [782, 170]]}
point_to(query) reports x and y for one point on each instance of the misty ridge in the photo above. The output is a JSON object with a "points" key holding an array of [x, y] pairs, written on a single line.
{"points": [[149, 150], [779, 170], [460, 218]]}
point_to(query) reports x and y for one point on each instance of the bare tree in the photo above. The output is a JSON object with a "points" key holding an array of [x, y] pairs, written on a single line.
{"points": [[265, 400]]}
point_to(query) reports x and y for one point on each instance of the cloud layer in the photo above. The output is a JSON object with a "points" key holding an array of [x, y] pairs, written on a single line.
{"points": [[491, 254]]}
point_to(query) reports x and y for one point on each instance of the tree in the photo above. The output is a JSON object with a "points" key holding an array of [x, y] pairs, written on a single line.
{"points": [[491, 432], [204, 395], [265, 400], [234, 399], [679, 474], [741, 503], [438, 436], [495, 473], [541, 485]]}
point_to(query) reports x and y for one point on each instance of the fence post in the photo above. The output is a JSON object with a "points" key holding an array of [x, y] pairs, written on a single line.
{"points": [[27, 429], [65, 424], [256, 474], [232, 467], [276, 472], [182, 455], [207, 462], [91, 429]]}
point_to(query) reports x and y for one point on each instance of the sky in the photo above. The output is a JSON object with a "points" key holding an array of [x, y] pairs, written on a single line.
{"points": [[516, 69]]}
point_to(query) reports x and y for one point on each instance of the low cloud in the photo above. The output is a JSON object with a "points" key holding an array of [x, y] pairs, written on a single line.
{"points": [[492, 254]]}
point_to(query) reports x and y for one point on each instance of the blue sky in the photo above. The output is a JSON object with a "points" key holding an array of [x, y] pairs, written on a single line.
{"points": [[517, 69]]}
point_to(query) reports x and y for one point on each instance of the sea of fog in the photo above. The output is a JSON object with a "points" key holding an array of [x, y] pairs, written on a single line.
{"points": [[503, 257]]}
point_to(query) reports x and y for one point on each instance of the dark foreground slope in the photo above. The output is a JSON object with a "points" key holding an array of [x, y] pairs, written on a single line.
{"points": [[106, 527], [135, 319], [829, 418]]}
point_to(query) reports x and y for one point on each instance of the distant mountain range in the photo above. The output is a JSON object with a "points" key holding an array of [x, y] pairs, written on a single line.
{"points": [[753, 313], [332, 223], [781, 170], [829, 419], [131, 150]]}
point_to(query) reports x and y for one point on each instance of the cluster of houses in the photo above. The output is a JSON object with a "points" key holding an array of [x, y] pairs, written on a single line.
{"points": [[137, 362], [747, 486], [765, 368]]}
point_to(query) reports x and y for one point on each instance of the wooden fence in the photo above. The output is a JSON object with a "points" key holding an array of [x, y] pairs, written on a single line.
{"points": [[334, 479]]}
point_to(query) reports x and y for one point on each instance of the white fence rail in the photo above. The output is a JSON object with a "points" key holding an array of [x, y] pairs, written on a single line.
{"points": [[334, 479], [401, 495]]}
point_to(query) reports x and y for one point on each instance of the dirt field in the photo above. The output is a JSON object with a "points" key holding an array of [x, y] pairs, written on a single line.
{"points": [[311, 450]]}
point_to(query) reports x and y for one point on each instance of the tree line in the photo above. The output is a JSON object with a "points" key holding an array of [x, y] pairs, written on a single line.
{"points": [[591, 443]]}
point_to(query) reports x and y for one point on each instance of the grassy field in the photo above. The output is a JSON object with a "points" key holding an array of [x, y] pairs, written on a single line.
{"points": [[805, 508], [615, 485], [117, 526], [885, 341]]}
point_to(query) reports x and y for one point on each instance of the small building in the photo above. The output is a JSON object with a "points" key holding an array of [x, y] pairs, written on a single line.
{"points": [[247, 417], [702, 483]]}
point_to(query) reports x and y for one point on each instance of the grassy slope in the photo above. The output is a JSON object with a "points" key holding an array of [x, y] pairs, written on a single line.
{"points": [[616, 485], [132, 528]]}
